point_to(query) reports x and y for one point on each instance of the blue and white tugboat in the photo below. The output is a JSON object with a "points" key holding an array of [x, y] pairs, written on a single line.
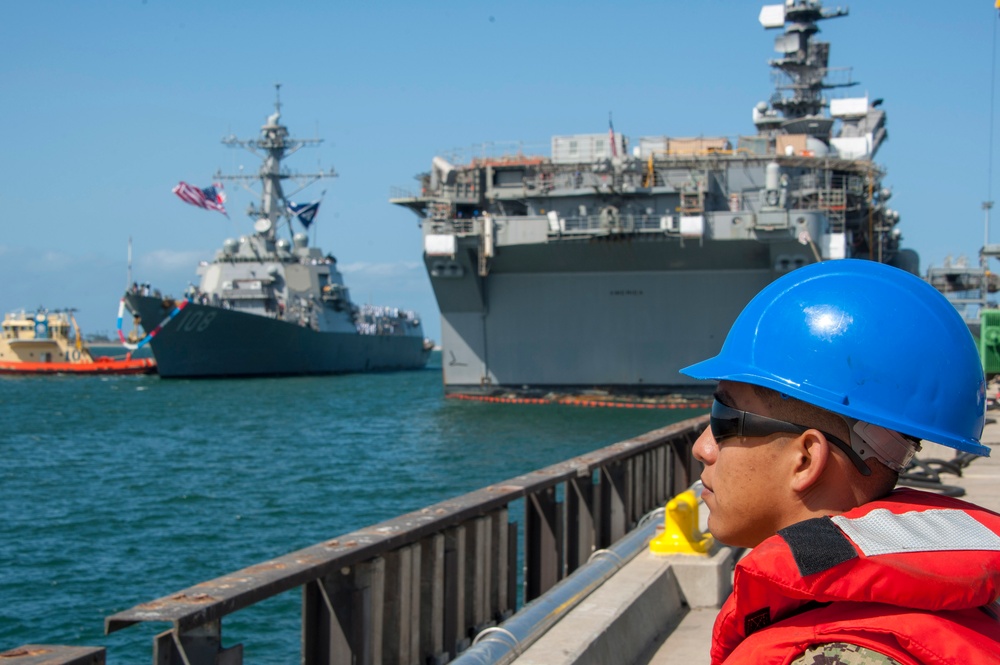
{"points": [[270, 306]]}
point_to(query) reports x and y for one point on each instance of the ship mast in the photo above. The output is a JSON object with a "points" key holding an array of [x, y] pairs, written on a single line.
{"points": [[272, 147], [803, 67]]}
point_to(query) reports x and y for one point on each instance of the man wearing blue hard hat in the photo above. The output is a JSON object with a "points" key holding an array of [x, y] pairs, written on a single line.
{"points": [[828, 381]]}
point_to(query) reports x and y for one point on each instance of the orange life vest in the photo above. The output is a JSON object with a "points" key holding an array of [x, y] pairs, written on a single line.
{"points": [[914, 576]]}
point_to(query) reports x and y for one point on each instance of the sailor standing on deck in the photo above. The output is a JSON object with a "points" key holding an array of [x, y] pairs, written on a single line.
{"points": [[828, 380]]}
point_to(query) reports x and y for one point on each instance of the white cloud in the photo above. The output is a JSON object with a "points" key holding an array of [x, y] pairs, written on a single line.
{"points": [[169, 260], [51, 258], [49, 262], [89, 283]]}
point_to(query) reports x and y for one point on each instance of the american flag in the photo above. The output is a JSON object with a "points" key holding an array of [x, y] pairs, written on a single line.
{"points": [[210, 198], [611, 134]]}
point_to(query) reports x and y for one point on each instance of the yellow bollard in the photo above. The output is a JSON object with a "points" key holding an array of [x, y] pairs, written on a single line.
{"points": [[681, 534]]}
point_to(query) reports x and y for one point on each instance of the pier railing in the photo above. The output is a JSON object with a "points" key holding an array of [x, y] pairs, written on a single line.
{"points": [[418, 588]]}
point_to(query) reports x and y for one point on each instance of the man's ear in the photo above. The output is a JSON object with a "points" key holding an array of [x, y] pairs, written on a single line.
{"points": [[810, 455]]}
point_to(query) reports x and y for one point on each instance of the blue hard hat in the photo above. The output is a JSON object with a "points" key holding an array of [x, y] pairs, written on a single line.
{"points": [[863, 340]]}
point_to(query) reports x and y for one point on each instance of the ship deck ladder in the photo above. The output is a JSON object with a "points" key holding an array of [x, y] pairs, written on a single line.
{"points": [[834, 201]]}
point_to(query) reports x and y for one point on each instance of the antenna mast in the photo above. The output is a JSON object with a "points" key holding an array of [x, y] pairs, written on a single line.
{"points": [[273, 146], [128, 275], [988, 203]]}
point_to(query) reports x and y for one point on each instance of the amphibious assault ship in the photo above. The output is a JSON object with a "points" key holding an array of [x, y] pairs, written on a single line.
{"points": [[610, 264], [269, 306]]}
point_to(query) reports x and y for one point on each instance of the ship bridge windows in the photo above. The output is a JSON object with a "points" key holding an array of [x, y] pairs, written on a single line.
{"points": [[248, 289]]}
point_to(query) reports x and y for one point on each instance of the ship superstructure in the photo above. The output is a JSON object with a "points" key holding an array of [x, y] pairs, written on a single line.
{"points": [[269, 305], [612, 263]]}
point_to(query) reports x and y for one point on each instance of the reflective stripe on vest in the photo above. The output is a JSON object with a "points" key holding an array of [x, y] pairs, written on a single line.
{"points": [[884, 532]]}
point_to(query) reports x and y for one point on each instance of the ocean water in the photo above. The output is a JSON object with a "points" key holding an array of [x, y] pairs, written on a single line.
{"points": [[118, 490]]}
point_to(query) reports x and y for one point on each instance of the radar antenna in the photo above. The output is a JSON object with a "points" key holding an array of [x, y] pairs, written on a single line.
{"points": [[804, 63], [273, 146]]}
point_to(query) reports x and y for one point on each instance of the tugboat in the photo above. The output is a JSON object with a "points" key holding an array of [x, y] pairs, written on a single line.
{"points": [[270, 306], [46, 342]]}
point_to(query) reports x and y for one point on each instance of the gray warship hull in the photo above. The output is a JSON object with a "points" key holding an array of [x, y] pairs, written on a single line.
{"points": [[204, 341], [621, 314]]}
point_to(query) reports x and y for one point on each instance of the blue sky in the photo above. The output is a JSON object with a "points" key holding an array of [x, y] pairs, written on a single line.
{"points": [[107, 105]]}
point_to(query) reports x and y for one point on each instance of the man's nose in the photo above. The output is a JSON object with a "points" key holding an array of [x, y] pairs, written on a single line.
{"points": [[705, 447]]}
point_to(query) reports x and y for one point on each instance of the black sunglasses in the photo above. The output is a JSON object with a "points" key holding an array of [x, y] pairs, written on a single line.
{"points": [[727, 422]]}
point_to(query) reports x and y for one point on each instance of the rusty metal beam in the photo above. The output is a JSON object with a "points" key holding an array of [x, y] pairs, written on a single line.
{"points": [[542, 545], [52, 654], [432, 588], [581, 522]]}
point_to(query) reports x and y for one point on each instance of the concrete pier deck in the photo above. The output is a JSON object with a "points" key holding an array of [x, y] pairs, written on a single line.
{"points": [[660, 610]]}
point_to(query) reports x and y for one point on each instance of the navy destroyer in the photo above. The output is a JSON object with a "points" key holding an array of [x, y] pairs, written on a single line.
{"points": [[270, 306], [609, 264]]}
